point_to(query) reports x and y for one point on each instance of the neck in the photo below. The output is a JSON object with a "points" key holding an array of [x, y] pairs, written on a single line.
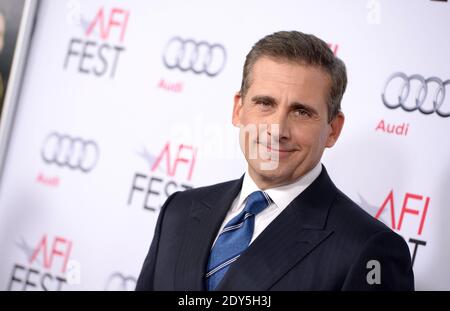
{"points": [[269, 182], [264, 182]]}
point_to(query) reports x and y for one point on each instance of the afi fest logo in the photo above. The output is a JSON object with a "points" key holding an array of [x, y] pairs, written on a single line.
{"points": [[398, 209], [334, 47], [98, 51], [170, 170], [48, 265]]}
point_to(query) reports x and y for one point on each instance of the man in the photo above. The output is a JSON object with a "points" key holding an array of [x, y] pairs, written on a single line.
{"points": [[283, 225]]}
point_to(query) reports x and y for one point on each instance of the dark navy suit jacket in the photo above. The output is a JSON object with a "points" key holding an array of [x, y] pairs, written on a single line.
{"points": [[321, 241]]}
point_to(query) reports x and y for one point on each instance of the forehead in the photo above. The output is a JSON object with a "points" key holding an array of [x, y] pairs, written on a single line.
{"points": [[289, 69], [284, 76]]}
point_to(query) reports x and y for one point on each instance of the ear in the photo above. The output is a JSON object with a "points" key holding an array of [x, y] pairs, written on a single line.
{"points": [[236, 119], [336, 127]]}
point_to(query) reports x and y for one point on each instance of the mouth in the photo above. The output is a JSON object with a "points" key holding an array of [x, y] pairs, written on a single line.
{"points": [[278, 150], [283, 152]]}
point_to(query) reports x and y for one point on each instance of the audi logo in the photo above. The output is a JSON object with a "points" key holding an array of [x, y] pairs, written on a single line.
{"points": [[198, 57], [72, 152], [117, 281], [422, 94]]}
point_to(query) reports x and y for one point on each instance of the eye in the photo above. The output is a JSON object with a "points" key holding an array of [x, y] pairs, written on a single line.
{"points": [[264, 103], [303, 113]]}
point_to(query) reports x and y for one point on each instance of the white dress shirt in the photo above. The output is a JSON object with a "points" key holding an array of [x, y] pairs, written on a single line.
{"points": [[281, 197]]}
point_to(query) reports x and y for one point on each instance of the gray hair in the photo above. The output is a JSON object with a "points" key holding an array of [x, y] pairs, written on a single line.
{"points": [[303, 49]]}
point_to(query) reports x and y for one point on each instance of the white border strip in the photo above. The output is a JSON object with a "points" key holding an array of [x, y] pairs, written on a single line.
{"points": [[16, 77]]}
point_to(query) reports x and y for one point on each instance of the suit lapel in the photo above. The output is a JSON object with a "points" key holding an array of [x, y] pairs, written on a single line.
{"points": [[205, 218], [286, 241]]}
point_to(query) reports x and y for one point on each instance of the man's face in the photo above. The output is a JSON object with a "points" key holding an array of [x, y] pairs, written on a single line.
{"points": [[288, 104]]}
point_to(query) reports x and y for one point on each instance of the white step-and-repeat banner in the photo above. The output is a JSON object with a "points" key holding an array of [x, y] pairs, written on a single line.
{"points": [[125, 102]]}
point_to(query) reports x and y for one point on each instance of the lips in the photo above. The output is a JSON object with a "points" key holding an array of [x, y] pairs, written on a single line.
{"points": [[264, 144], [282, 152], [278, 150]]}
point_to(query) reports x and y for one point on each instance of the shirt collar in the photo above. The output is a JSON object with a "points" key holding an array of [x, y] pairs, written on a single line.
{"points": [[282, 195]]}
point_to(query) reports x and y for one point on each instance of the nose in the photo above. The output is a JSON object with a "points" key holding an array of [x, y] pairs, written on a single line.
{"points": [[278, 129]]}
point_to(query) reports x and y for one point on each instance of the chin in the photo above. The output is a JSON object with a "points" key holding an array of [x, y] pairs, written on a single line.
{"points": [[275, 174]]}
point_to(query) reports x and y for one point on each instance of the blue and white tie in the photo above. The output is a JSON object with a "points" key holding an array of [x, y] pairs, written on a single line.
{"points": [[234, 238]]}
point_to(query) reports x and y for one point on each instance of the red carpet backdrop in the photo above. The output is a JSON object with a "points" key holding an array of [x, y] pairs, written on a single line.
{"points": [[124, 102]]}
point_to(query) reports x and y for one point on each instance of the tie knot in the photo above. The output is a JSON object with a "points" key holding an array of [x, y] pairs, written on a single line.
{"points": [[256, 202]]}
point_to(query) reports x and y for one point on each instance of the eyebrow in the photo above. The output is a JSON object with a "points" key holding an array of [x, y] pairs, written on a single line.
{"points": [[265, 98], [292, 106]]}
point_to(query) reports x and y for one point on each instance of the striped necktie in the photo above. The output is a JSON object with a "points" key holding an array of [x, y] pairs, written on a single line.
{"points": [[234, 238]]}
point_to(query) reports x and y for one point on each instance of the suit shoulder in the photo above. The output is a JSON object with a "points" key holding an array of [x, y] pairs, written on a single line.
{"points": [[358, 233], [350, 217], [204, 191]]}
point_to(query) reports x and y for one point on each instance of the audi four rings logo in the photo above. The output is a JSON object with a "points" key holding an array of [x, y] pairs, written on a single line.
{"points": [[422, 94], [72, 152], [198, 57]]}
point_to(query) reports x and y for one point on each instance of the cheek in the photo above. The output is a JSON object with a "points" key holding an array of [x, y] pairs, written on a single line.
{"points": [[310, 137], [305, 135], [244, 119], [249, 116], [243, 115]]}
